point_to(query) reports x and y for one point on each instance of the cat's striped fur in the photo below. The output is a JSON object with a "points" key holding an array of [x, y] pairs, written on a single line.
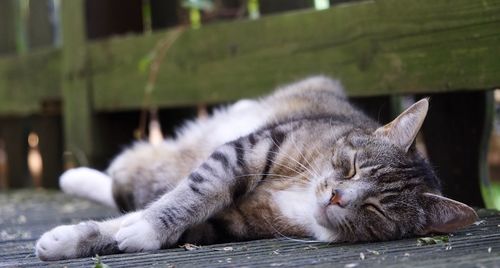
{"points": [[301, 162]]}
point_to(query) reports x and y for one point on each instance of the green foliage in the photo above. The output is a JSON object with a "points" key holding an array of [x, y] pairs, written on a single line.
{"points": [[491, 194], [98, 262], [145, 62], [432, 240]]}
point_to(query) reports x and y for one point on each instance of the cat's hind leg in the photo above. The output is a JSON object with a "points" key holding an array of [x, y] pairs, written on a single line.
{"points": [[144, 172], [135, 178], [89, 184]]}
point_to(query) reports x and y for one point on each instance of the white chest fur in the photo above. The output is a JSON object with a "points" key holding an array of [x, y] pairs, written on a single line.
{"points": [[298, 206]]}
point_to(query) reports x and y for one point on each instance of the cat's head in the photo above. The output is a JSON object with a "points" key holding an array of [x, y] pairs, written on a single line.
{"points": [[381, 188]]}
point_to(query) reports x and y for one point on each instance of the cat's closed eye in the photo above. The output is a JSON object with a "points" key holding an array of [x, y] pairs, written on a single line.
{"points": [[346, 164]]}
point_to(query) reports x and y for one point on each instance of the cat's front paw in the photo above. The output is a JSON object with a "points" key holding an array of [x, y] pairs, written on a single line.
{"points": [[137, 234], [62, 242]]}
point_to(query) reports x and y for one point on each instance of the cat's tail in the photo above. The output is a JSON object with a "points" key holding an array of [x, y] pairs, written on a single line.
{"points": [[89, 184]]}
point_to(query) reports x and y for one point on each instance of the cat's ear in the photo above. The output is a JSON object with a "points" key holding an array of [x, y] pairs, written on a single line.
{"points": [[403, 130], [445, 215]]}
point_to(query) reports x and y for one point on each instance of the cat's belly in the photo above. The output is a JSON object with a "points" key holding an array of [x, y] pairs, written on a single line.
{"points": [[225, 125], [244, 117]]}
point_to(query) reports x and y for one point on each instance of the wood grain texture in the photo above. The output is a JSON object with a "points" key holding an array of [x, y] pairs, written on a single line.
{"points": [[375, 48], [28, 81], [39, 27], [27, 214], [7, 26], [76, 88]]}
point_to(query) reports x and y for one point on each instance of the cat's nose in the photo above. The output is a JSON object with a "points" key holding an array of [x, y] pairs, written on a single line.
{"points": [[338, 198]]}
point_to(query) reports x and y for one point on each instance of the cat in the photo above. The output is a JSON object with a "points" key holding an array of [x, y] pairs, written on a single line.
{"points": [[301, 162]]}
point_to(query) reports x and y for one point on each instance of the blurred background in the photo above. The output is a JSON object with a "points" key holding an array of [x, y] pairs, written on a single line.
{"points": [[45, 52]]}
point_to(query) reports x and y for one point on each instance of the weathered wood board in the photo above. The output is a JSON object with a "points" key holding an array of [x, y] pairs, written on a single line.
{"points": [[29, 81], [375, 47], [26, 215], [76, 87]]}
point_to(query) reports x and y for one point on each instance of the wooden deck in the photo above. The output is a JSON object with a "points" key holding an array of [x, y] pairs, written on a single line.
{"points": [[25, 215]]}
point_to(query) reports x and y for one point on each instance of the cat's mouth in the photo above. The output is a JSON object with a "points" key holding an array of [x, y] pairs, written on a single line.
{"points": [[330, 216]]}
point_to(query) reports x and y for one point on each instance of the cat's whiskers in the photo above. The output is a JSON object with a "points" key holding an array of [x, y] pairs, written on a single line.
{"points": [[316, 173], [297, 172], [275, 118], [266, 174], [278, 164], [342, 224], [349, 226], [280, 234], [342, 227], [316, 148], [293, 159], [276, 178]]}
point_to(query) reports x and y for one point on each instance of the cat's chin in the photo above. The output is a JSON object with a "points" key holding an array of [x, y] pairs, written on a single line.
{"points": [[330, 216]]}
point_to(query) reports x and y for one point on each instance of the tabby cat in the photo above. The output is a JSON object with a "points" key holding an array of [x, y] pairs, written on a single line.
{"points": [[302, 162]]}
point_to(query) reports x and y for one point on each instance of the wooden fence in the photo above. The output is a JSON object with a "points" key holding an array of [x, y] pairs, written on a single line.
{"points": [[447, 49]]}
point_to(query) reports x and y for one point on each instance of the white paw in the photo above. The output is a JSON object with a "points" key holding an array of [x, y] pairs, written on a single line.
{"points": [[137, 234], [58, 243]]}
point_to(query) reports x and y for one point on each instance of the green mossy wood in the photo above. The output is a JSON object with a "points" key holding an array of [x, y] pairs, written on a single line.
{"points": [[27, 81], [76, 87], [375, 48]]}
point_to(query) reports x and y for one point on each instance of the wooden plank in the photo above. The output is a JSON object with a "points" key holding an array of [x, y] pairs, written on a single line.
{"points": [[18, 81], [76, 90], [375, 48], [40, 29], [21, 13], [29, 81], [7, 26], [27, 214]]}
